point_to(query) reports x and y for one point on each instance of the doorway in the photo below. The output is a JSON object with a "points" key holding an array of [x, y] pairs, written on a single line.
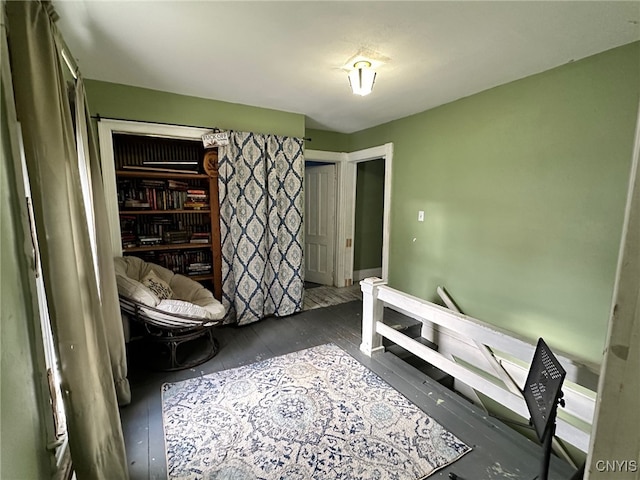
{"points": [[368, 219], [345, 165]]}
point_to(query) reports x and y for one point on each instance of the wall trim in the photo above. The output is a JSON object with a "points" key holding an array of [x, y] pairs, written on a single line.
{"points": [[337, 158], [386, 153], [324, 156]]}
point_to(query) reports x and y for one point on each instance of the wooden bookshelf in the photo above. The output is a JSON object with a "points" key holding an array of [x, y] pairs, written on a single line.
{"points": [[151, 204]]}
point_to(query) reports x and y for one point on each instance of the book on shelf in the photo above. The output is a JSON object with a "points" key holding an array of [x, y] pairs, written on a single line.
{"points": [[200, 237], [150, 182], [190, 205], [134, 203], [200, 268], [199, 265], [179, 236], [129, 239], [144, 240], [160, 220], [177, 185]]}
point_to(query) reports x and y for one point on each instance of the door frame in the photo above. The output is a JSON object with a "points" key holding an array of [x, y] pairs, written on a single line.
{"points": [[346, 170], [106, 129]]}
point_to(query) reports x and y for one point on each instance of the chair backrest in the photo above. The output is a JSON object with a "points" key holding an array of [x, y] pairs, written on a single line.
{"points": [[136, 268]]}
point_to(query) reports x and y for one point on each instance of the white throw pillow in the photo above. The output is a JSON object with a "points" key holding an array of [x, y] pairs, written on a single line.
{"points": [[135, 291], [159, 287]]}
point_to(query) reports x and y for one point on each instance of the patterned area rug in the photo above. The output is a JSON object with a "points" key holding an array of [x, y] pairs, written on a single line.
{"points": [[313, 414], [325, 296]]}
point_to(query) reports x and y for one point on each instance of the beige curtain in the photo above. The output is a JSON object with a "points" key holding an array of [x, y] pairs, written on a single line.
{"points": [[83, 325], [107, 276]]}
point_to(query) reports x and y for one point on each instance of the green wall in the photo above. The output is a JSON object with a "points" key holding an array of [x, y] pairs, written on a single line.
{"points": [[327, 141], [367, 242], [113, 100], [523, 188], [23, 453]]}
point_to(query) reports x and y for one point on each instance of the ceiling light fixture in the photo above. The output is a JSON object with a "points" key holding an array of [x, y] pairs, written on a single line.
{"points": [[362, 77]]}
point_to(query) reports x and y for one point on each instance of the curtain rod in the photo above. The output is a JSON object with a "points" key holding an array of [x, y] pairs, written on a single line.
{"points": [[99, 117]]}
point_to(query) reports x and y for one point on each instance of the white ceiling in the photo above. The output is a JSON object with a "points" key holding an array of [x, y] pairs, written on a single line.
{"points": [[288, 55]]}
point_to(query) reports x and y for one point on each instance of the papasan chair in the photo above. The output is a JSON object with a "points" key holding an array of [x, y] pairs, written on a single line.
{"points": [[174, 310]]}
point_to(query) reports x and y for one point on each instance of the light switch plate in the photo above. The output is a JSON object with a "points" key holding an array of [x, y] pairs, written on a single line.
{"points": [[421, 216]]}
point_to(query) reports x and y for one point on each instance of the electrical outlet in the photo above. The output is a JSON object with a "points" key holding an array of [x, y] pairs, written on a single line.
{"points": [[421, 216]]}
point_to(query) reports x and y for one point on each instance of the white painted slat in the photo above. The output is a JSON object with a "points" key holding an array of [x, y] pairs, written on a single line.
{"points": [[578, 404], [516, 404], [484, 350], [507, 342], [504, 375]]}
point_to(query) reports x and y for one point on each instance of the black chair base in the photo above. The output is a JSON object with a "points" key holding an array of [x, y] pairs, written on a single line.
{"points": [[174, 342], [170, 350]]}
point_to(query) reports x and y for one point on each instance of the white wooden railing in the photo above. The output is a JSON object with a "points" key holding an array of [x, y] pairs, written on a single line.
{"points": [[463, 341]]}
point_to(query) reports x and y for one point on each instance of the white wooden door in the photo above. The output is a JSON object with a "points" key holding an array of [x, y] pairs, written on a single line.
{"points": [[319, 221]]}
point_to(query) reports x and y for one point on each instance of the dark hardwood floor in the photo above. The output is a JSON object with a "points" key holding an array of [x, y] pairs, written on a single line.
{"points": [[498, 451]]}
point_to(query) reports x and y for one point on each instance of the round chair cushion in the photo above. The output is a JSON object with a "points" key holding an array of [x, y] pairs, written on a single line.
{"points": [[183, 290]]}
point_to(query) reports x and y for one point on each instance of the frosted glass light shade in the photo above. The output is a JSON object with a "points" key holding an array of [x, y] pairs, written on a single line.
{"points": [[362, 80]]}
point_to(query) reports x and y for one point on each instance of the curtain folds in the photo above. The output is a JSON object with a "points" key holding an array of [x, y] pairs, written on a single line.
{"points": [[261, 208], [109, 302], [80, 320]]}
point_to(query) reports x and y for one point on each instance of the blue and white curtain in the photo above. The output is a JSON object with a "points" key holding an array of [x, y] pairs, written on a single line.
{"points": [[261, 208]]}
